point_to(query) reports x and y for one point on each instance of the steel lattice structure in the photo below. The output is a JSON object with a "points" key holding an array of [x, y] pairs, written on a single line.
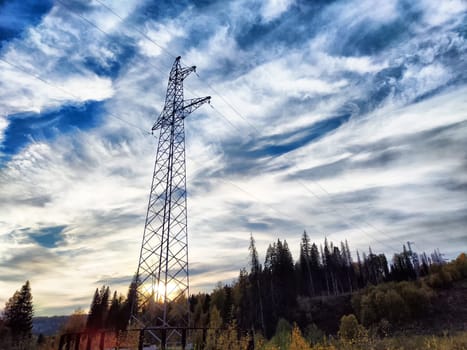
{"points": [[162, 275]]}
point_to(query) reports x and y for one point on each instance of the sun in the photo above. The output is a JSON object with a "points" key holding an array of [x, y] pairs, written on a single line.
{"points": [[160, 290]]}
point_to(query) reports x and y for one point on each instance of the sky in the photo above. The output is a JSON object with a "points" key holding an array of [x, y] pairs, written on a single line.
{"points": [[347, 119]]}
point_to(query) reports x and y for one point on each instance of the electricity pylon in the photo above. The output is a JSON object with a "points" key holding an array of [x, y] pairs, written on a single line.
{"points": [[162, 275]]}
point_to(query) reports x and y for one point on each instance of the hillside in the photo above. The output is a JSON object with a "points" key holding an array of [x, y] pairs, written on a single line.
{"points": [[47, 325], [448, 313]]}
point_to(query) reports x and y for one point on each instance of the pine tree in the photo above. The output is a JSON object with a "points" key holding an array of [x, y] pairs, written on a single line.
{"points": [[131, 303], [316, 269], [254, 261], [306, 278], [114, 310], [283, 278], [19, 312], [104, 306], [255, 296], [93, 316]]}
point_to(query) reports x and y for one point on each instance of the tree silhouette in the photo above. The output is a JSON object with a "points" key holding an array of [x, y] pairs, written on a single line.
{"points": [[18, 314]]}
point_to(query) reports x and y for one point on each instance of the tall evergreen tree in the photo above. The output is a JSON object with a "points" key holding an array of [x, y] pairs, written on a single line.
{"points": [[18, 313], [306, 277], [283, 279], [131, 303], [254, 260], [104, 305], [114, 311], [254, 292], [99, 308], [317, 269], [92, 322]]}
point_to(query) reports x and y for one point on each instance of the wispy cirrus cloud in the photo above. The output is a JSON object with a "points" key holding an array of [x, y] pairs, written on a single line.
{"points": [[349, 122]]}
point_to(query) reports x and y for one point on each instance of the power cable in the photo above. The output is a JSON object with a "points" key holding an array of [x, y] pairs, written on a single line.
{"points": [[240, 115], [228, 103], [38, 77], [146, 37], [212, 88], [22, 69], [249, 194], [112, 11], [137, 30]]}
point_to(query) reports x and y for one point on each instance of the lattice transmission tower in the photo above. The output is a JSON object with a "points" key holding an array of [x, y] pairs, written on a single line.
{"points": [[162, 275]]}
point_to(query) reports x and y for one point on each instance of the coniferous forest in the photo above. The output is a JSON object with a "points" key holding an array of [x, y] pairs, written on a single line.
{"points": [[325, 299]]}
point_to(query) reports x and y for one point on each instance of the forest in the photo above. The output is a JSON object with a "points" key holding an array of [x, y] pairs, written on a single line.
{"points": [[323, 300]]}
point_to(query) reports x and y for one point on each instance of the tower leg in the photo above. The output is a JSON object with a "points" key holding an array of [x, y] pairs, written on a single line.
{"points": [[141, 340]]}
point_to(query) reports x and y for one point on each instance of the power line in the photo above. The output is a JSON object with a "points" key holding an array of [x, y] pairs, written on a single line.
{"points": [[142, 130], [228, 103], [87, 20], [343, 217], [38, 77], [22, 69], [154, 42], [139, 31], [148, 133], [214, 90], [162, 71], [234, 109], [79, 15], [225, 118], [249, 194]]}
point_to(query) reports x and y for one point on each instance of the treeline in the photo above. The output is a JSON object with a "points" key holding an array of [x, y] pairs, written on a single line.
{"points": [[110, 314], [269, 300], [324, 284], [282, 288]]}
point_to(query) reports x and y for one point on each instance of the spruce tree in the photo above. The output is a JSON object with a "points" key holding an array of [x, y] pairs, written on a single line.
{"points": [[19, 312], [254, 261], [104, 306], [114, 310], [131, 303], [255, 295], [93, 316], [306, 278]]}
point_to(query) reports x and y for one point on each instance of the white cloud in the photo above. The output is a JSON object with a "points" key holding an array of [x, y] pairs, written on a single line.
{"points": [[438, 12], [3, 126], [41, 54], [162, 35], [334, 64], [350, 14], [26, 93], [96, 182], [272, 9], [214, 50], [418, 80]]}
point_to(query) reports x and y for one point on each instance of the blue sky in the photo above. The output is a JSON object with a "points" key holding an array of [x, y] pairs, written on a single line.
{"points": [[347, 119]]}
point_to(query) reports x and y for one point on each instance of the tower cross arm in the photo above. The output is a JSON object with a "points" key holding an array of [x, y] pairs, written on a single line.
{"points": [[193, 104], [179, 73], [182, 73]]}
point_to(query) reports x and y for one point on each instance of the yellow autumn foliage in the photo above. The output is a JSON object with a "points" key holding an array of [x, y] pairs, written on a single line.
{"points": [[297, 342]]}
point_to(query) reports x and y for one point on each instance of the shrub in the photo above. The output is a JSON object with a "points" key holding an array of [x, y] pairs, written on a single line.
{"points": [[350, 330], [313, 334], [297, 342], [396, 302], [396, 306], [440, 279], [282, 337], [416, 297]]}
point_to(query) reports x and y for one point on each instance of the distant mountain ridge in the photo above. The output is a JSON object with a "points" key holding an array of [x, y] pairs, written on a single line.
{"points": [[47, 325]]}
